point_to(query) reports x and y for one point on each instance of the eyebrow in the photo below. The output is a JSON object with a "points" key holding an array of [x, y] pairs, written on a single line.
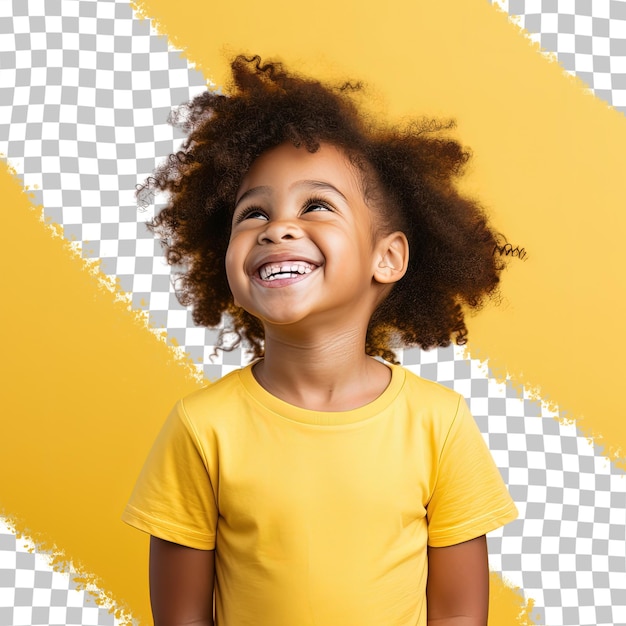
{"points": [[262, 189], [318, 185], [265, 190]]}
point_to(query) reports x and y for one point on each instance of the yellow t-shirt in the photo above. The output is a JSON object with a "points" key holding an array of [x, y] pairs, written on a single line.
{"points": [[320, 517]]}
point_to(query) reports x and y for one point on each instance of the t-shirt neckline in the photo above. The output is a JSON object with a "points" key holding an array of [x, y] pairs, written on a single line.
{"points": [[323, 418]]}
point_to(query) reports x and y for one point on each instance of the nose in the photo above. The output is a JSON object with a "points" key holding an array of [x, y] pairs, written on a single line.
{"points": [[279, 230]]}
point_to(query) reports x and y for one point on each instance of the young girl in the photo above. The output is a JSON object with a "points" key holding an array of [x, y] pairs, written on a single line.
{"points": [[319, 485]]}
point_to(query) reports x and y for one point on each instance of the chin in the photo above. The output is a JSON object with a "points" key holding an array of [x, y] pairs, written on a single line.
{"points": [[278, 315], [282, 321]]}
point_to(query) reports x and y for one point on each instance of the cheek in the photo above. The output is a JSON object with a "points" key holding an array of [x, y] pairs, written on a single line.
{"points": [[232, 263]]}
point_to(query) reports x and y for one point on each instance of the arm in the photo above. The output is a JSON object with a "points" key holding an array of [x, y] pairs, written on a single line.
{"points": [[181, 584], [458, 584]]}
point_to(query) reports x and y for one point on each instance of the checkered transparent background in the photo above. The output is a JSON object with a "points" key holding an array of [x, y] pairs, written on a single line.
{"points": [[85, 92], [32, 593], [587, 37]]}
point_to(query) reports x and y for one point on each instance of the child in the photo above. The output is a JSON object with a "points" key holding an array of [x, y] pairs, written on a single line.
{"points": [[319, 485]]}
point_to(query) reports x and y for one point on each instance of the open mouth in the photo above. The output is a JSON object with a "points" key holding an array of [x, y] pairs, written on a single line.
{"points": [[284, 269]]}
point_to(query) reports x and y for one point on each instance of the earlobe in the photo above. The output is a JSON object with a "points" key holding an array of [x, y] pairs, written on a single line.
{"points": [[392, 258]]}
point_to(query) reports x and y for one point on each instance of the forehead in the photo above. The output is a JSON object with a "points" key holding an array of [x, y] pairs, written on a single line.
{"points": [[285, 164]]}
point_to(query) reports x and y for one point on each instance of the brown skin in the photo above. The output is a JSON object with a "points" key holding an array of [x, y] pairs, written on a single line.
{"points": [[458, 584], [315, 328], [181, 584]]}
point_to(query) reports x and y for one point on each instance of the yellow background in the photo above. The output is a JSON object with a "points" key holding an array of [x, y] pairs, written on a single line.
{"points": [[88, 386]]}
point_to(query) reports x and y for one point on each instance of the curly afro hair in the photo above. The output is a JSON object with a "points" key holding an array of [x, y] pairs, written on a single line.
{"points": [[453, 265]]}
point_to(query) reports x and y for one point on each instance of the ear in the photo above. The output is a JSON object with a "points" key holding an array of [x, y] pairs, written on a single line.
{"points": [[392, 258]]}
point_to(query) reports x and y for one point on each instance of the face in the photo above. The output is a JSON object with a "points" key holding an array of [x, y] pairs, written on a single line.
{"points": [[302, 244]]}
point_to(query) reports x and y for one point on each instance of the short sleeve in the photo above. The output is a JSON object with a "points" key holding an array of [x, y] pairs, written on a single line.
{"points": [[469, 498], [174, 498]]}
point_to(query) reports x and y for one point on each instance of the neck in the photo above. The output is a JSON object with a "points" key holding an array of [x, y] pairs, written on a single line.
{"points": [[328, 372]]}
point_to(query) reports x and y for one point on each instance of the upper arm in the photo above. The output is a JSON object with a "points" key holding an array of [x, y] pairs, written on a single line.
{"points": [[458, 583], [181, 584]]}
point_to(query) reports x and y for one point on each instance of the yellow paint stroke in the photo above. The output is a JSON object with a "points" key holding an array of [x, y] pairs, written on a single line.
{"points": [[85, 390], [89, 387], [549, 166], [507, 606]]}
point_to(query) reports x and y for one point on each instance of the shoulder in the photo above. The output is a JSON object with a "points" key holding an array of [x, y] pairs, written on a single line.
{"points": [[430, 395], [216, 399], [212, 391], [430, 408]]}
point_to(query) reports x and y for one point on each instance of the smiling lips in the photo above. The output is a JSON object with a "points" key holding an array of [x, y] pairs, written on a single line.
{"points": [[284, 269]]}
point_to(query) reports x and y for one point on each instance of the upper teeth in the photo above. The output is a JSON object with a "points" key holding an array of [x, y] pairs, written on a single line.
{"points": [[272, 271]]}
